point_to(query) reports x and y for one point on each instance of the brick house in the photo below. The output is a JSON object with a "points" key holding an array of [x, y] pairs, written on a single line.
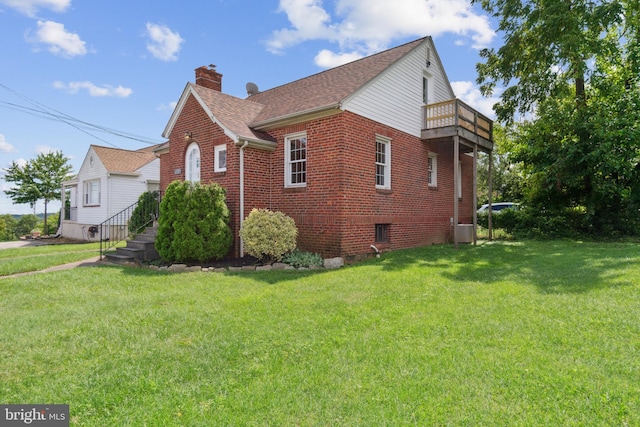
{"points": [[361, 156]]}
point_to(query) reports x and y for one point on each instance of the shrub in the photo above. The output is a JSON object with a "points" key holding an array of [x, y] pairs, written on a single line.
{"points": [[145, 212], [193, 223], [298, 259], [268, 235]]}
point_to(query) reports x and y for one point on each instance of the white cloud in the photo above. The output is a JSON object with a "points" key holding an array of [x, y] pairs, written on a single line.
{"points": [[363, 27], [31, 7], [167, 107], [164, 44], [327, 59], [93, 90], [44, 149], [60, 41], [470, 93], [5, 147]]}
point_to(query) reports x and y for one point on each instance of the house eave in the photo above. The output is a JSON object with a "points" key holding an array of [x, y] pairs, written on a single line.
{"points": [[297, 117], [116, 173], [259, 144]]}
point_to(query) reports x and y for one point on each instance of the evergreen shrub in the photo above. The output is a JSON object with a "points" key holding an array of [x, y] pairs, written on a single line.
{"points": [[268, 235], [193, 223], [145, 212]]}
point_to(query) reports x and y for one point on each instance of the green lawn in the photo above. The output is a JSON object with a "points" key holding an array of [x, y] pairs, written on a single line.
{"points": [[505, 333], [34, 258]]}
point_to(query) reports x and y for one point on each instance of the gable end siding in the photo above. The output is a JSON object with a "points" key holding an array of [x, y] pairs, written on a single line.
{"points": [[395, 97]]}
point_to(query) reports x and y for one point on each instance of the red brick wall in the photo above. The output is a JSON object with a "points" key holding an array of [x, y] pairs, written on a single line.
{"points": [[337, 211]]}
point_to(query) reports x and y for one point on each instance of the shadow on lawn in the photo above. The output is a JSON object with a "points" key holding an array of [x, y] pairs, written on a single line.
{"points": [[553, 267]]}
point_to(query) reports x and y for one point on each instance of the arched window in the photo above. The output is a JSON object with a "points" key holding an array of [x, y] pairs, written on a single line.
{"points": [[192, 163]]}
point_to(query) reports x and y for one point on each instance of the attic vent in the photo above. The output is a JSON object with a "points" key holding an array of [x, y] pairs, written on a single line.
{"points": [[252, 89]]}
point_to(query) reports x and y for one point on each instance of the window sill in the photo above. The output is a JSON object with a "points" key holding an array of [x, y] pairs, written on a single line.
{"points": [[295, 189], [384, 191]]}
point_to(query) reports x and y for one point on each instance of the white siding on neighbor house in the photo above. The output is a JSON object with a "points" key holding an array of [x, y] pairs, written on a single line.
{"points": [[394, 98], [124, 191], [89, 171], [151, 171]]}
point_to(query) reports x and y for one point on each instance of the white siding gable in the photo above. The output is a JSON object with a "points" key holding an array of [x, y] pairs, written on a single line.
{"points": [[92, 168], [394, 98]]}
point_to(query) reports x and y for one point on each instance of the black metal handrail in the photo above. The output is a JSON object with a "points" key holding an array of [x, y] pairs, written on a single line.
{"points": [[120, 227]]}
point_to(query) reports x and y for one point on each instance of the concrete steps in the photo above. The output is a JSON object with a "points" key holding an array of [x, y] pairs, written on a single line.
{"points": [[141, 248]]}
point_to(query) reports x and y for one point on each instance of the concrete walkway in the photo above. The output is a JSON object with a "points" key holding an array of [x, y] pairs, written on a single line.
{"points": [[89, 262]]}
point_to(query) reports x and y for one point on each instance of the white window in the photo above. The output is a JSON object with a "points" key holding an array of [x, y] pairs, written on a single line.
{"points": [[92, 192], [295, 167], [432, 170], [192, 163], [427, 89], [383, 162], [220, 158]]}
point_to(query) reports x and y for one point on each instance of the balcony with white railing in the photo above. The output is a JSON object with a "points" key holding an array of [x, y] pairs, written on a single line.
{"points": [[454, 117]]}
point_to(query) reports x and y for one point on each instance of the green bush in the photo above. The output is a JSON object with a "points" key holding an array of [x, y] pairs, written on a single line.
{"points": [[539, 223], [193, 223], [145, 212], [298, 259], [268, 235]]}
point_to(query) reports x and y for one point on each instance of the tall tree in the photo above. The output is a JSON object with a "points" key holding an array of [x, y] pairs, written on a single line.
{"points": [[547, 44], [570, 68], [39, 179]]}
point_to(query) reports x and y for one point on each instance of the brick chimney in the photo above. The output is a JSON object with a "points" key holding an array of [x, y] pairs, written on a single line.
{"points": [[209, 77]]}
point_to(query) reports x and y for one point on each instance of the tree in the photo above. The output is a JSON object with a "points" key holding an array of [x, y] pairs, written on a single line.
{"points": [[507, 177], [571, 69], [26, 224], [10, 227], [39, 179], [548, 43]]}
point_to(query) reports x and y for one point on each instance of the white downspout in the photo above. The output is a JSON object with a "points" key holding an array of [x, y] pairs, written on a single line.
{"points": [[242, 193]]}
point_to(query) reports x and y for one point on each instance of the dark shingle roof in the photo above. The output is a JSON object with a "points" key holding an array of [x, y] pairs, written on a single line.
{"points": [[233, 113], [323, 90], [328, 87]]}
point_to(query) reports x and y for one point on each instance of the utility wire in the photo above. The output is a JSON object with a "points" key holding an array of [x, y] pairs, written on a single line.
{"points": [[45, 112]]}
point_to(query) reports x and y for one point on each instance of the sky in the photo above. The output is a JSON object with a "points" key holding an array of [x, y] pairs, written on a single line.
{"points": [[76, 73]]}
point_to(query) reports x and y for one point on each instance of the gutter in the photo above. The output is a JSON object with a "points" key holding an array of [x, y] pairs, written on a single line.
{"points": [[242, 148], [265, 124]]}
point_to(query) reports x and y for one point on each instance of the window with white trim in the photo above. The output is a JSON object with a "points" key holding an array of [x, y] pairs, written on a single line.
{"points": [[192, 163], [383, 162], [295, 162], [92, 192], [432, 170], [220, 158], [427, 88]]}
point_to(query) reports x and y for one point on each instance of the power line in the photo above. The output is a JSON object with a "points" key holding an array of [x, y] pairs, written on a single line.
{"points": [[42, 111]]}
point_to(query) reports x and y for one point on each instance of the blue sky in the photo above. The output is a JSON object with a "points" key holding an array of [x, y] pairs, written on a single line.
{"points": [[75, 73]]}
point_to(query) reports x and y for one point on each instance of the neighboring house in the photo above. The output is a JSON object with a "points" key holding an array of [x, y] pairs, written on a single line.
{"points": [[109, 180], [366, 156]]}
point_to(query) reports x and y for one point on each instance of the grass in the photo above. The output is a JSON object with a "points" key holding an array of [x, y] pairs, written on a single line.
{"points": [[504, 333], [34, 258]]}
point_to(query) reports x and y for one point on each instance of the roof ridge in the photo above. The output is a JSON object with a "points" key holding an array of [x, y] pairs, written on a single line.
{"points": [[339, 66]]}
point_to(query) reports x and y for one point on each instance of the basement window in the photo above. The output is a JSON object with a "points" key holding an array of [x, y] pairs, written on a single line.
{"points": [[382, 233]]}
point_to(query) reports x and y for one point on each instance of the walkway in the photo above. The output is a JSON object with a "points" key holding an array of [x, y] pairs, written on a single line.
{"points": [[89, 262]]}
